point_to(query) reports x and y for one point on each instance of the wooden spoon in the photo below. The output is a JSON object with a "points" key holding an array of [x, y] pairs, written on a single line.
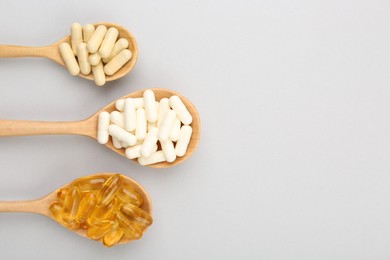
{"points": [[52, 52], [88, 127], [41, 206]]}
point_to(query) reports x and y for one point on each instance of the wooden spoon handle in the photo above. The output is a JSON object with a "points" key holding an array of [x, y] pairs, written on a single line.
{"points": [[33, 206], [14, 51], [20, 127]]}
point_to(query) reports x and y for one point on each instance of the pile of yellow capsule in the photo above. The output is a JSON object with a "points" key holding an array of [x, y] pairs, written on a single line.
{"points": [[94, 50], [105, 207]]}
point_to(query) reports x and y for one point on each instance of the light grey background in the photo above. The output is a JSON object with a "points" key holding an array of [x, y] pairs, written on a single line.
{"points": [[293, 96]]}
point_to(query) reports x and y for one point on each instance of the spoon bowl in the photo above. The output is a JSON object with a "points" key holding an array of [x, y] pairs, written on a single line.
{"points": [[51, 52], [159, 94], [41, 206], [88, 127]]}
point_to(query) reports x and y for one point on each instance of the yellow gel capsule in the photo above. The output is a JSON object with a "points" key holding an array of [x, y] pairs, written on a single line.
{"points": [[131, 230], [90, 183], [137, 215], [110, 187], [113, 237], [86, 205], [61, 195], [101, 212], [56, 212], [71, 224], [71, 203], [102, 228], [127, 194]]}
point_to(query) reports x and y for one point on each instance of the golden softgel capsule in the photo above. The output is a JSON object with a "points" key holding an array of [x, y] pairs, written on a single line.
{"points": [[71, 203], [102, 212], [90, 183], [127, 194], [86, 206], [113, 237], [61, 195], [136, 215], [100, 229], [56, 212], [130, 229], [110, 187]]}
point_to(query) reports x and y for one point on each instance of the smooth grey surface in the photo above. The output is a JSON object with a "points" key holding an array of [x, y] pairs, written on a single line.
{"points": [[293, 96]]}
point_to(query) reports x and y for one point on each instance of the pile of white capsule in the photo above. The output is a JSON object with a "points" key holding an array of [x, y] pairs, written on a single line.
{"points": [[139, 124], [96, 50]]}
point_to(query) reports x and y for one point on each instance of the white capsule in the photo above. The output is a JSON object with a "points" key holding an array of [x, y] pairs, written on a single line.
{"points": [[116, 143], [117, 62], [163, 107], [135, 151], [153, 124], [180, 109], [98, 74], [184, 140], [156, 157], [149, 142], [122, 135], [175, 131], [94, 59], [130, 115], [119, 104], [108, 42], [140, 130], [166, 124], [76, 36], [138, 102], [120, 45], [69, 58], [150, 105], [96, 39], [103, 124], [117, 118], [169, 150], [82, 53], [88, 30]]}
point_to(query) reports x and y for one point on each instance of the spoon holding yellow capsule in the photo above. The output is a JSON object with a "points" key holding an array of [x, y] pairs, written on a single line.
{"points": [[106, 207], [52, 52], [88, 127]]}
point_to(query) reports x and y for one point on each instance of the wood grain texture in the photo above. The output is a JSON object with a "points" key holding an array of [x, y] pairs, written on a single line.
{"points": [[52, 52], [41, 206], [88, 127]]}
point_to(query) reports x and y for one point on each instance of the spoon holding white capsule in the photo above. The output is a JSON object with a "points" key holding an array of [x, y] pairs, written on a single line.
{"points": [[89, 126], [52, 52]]}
